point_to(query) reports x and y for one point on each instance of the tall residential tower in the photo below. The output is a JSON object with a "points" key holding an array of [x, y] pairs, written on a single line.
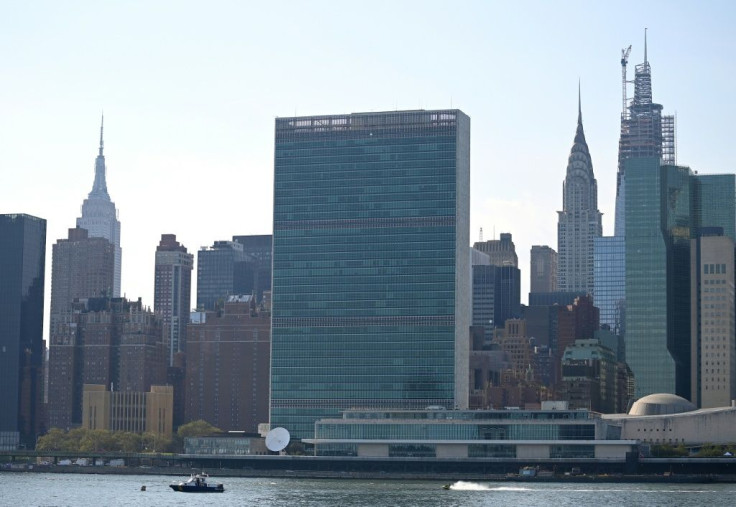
{"points": [[173, 292]]}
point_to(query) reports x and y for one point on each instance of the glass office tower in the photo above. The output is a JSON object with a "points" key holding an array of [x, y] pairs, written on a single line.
{"points": [[657, 200], [666, 206], [371, 275], [22, 261], [609, 281]]}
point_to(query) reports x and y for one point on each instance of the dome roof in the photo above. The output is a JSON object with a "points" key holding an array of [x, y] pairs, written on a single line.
{"points": [[661, 404]]}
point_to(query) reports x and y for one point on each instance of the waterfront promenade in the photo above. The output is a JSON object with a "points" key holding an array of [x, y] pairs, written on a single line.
{"points": [[633, 469]]}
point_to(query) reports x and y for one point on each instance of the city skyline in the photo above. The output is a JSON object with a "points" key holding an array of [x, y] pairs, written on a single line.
{"points": [[199, 116]]}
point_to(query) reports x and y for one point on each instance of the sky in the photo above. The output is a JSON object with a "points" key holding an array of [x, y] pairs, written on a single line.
{"points": [[190, 92]]}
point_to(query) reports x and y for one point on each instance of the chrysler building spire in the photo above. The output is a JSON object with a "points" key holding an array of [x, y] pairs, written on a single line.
{"points": [[579, 222]]}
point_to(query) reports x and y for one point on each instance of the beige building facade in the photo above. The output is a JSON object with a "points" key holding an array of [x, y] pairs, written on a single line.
{"points": [[134, 411]]}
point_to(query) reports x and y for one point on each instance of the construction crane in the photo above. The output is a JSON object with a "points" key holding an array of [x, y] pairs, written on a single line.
{"points": [[624, 60]]}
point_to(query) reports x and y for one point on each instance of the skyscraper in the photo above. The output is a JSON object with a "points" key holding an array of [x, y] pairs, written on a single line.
{"points": [[496, 296], [100, 217], [371, 289], [609, 281], [579, 222], [502, 251], [173, 292], [22, 260], [713, 347], [644, 133], [258, 265], [82, 267], [220, 273], [665, 207], [543, 269]]}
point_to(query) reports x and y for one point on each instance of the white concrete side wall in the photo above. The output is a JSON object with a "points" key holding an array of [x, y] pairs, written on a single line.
{"points": [[373, 450], [611, 451], [532, 451], [694, 428], [452, 451]]}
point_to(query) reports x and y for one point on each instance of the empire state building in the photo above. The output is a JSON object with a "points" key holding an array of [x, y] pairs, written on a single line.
{"points": [[99, 215]]}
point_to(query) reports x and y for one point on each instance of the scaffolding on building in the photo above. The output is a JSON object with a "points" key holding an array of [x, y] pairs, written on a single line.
{"points": [[669, 144]]}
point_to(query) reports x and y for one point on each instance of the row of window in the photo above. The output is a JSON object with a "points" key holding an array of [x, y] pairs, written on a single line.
{"points": [[455, 431]]}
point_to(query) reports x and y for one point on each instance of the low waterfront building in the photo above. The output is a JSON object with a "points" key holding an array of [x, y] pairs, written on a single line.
{"points": [[230, 444], [670, 419], [532, 434]]}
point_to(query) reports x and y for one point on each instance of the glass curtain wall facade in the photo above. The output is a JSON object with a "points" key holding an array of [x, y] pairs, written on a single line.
{"points": [[654, 206], [480, 433], [646, 280], [371, 275], [22, 261], [609, 287], [712, 201], [219, 274], [666, 206]]}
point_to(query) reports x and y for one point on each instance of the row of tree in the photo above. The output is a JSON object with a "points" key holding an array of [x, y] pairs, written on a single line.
{"points": [[94, 441], [680, 451]]}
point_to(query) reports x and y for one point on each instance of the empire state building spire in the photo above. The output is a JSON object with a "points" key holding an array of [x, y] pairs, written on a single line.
{"points": [[99, 215], [99, 188]]}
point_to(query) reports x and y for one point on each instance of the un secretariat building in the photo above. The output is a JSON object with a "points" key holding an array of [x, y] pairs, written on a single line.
{"points": [[370, 264]]}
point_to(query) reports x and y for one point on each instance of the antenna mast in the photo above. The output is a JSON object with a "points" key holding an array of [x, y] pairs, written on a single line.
{"points": [[481, 235], [624, 60]]}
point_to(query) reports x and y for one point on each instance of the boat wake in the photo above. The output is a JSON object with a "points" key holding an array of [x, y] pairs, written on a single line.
{"points": [[474, 486], [468, 486]]}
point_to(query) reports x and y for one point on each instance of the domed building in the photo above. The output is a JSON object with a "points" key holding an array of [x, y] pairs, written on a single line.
{"points": [[669, 419], [661, 404]]}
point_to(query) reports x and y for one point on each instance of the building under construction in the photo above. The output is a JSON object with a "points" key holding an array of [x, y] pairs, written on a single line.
{"points": [[645, 132]]}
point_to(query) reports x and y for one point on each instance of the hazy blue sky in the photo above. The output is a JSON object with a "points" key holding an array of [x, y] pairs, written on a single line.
{"points": [[190, 91]]}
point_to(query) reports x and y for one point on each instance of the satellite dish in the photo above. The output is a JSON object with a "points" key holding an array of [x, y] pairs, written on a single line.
{"points": [[277, 439]]}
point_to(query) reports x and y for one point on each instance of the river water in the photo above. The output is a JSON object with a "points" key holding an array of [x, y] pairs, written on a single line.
{"points": [[38, 489]]}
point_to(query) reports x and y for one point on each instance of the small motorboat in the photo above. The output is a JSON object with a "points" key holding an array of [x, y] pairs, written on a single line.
{"points": [[198, 483]]}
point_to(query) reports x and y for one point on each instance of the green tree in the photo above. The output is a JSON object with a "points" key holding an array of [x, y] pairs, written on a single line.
{"points": [[54, 440], [155, 442], [197, 428], [192, 429], [125, 441], [97, 441], [669, 451]]}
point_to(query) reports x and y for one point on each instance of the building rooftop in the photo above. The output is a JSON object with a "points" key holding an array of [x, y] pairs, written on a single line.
{"points": [[661, 404]]}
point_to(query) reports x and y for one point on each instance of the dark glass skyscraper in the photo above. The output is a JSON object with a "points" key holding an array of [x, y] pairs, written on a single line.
{"points": [[258, 266], [496, 296], [609, 281], [371, 275], [218, 275], [22, 261], [665, 208]]}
